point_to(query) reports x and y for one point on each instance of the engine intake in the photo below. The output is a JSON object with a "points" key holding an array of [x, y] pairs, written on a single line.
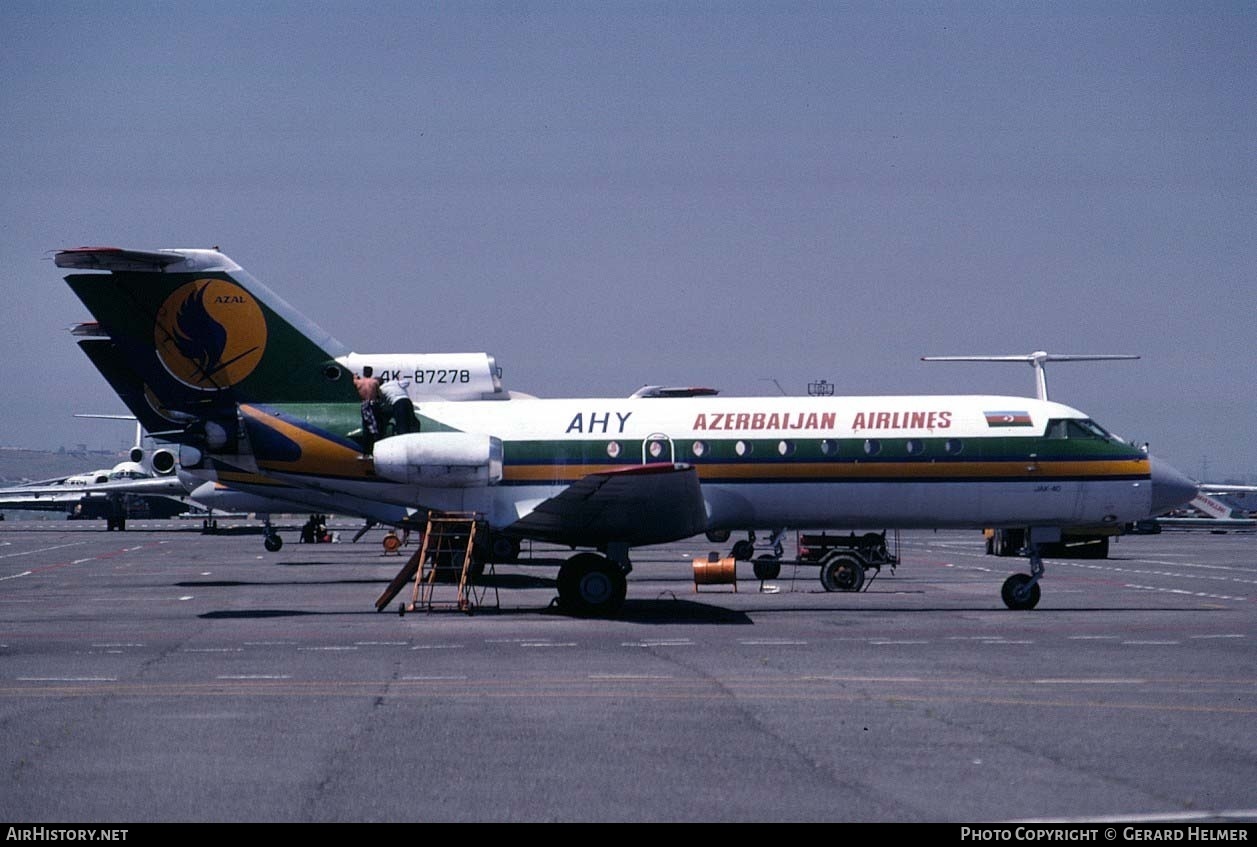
{"points": [[443, 459], [163, 462]]}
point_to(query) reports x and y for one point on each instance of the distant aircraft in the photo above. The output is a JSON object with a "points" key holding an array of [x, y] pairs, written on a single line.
{"points": [[262, 391], [145, 481], [1212, 514]]}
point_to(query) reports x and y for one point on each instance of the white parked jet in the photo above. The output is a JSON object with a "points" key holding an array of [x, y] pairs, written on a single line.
{"points": [[265, 392]]}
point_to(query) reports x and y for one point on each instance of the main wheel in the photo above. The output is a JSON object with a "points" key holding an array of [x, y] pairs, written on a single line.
{"points": [[1019, 592], [718, 536], [842, 573], [743, 551], [767, 567], [591, 586], [272, 543]]}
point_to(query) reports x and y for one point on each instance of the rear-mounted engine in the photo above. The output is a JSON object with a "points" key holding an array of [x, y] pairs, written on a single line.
{"points": [[444, 459]]}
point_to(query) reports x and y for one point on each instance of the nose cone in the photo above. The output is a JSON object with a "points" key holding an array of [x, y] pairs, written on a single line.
{"points": [[1169, 488]]}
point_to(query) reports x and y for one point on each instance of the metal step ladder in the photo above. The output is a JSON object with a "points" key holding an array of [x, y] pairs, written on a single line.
{"points": [[444, 558]]}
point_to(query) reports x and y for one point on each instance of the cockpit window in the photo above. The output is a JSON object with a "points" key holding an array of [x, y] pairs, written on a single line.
{"points": [[1095, 430], [1072, 428]]}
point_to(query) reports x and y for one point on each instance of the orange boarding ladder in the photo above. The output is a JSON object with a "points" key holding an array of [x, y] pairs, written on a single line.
{"points": [[445, 557]]}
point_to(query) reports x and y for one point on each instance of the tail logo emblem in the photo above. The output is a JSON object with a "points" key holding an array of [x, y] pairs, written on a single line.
{"points": [[210, 334]]}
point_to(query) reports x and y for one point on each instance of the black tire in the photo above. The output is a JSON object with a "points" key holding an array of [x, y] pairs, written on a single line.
{"points": [[272, 543], [842, 572], [718, 536], [591, 586], [1018, 592], [767, 567], [743, 551]]}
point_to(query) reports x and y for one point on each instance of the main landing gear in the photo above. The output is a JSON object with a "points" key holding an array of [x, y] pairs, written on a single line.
{"points": [[591, 585], [1021, 591]]}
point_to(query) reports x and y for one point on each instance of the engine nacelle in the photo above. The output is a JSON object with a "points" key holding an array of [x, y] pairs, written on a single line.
{"points": [[442, 459], [163, 462]]}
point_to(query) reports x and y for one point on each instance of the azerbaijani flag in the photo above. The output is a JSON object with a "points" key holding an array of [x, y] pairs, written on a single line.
{"points": [[1008, 419]]}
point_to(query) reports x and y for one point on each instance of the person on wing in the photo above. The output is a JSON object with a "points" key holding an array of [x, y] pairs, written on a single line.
{"points": [[397, 405], [368, 392]]}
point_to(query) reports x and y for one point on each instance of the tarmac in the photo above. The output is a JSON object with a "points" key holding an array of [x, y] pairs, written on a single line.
{"points": [[163, 675]]}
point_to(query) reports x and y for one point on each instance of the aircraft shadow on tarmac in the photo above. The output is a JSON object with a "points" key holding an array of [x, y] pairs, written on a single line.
{"points": [[249, 614], [674, 611], [660, 611], [243, 583]]}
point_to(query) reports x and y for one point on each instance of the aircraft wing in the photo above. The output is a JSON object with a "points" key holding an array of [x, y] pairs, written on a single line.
{"points": [[642, 504], [36, 499], [164, 485]]}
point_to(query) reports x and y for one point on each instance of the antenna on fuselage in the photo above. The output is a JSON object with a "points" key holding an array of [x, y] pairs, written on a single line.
{"points": [[1036, 360]]}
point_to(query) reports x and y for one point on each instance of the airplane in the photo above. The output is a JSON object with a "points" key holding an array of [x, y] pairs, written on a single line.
{"points": [[148, 483], [1211, 513], [144, 483], [264, 391]]}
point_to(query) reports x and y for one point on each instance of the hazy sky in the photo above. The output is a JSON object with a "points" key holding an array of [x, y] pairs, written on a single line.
{"points": [[610, 194]]}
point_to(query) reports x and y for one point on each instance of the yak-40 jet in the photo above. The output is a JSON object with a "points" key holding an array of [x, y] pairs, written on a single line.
{"points": [[260, 394]]}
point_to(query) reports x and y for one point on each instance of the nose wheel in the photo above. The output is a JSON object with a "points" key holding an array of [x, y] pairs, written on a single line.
{"points": [[1021, 590]]}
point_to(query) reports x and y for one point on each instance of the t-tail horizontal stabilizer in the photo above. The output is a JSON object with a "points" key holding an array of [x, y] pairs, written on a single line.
{"points": [[1036, 360]]}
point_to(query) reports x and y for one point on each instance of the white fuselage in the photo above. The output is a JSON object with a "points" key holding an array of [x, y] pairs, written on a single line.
{"points": [[912, 461]]}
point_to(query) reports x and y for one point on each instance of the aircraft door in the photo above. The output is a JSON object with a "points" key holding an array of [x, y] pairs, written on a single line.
{"points": [[658, 447]]}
